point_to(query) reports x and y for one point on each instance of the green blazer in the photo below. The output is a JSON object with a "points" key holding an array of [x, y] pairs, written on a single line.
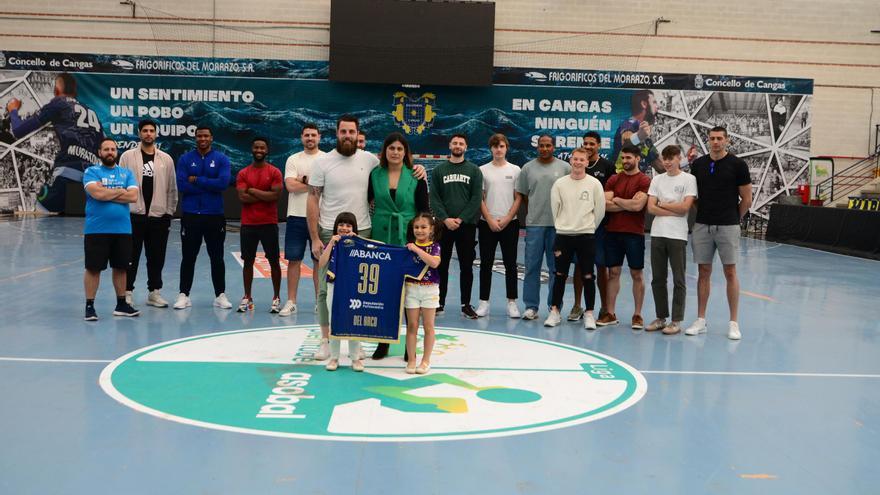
{"points": [[391, 216]]}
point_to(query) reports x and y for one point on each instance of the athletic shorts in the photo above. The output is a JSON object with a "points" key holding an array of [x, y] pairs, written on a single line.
{"points": [[252, 235], [707, 238], [422, 296], [620, 245], [103, 248], [295, 239], [600, 245]]}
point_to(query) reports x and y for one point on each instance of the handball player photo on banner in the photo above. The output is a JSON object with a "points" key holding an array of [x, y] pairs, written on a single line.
{"points": [[365, 288]]}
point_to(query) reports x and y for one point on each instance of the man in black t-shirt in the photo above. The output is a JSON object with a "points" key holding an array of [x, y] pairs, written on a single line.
{"points": [[601, 169], [725, 195], [151, 213]]}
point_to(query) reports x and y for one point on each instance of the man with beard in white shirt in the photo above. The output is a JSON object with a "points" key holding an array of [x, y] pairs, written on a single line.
{"points": [[339, 182]]}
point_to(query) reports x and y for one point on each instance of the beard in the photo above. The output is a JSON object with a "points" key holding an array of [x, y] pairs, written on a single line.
{"points": [[108, 161], [457, 153], [650, 116], [346, 147]]}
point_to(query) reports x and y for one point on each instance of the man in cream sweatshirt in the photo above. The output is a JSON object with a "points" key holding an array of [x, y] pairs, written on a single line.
{"points": [[151, 214], [578, 205]]}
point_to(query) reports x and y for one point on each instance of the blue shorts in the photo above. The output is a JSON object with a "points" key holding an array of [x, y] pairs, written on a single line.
{"points": [[295, 238], [619, 245], [599, 236]]}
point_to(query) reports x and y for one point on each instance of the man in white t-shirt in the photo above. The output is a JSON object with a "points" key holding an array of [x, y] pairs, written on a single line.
{"points": [[339, 182], [296, 181], [670, 197], [499, 224]]}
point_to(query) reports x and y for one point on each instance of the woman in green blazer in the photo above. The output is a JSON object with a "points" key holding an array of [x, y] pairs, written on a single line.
{"points": [[395, 196]]}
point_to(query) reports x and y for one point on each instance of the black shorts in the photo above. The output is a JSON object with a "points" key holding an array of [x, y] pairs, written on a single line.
{"points": [[101, 248], [252, 235]]}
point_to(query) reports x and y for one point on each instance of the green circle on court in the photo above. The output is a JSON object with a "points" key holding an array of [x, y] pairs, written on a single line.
{"points": [[508, 395], [264, 381]]}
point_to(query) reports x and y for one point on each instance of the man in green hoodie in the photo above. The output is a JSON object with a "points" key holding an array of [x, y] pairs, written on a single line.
{"points": [[456, 193]]}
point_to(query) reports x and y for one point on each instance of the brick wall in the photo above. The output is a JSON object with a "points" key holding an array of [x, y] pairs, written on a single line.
{"points": [[829, 42]]}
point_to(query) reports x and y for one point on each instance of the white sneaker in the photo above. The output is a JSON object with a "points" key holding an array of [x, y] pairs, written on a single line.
{"points": [[512, 310], [589, 321], [276, 305], [182, 301], [288, 309], [482, 308], [129, 299], [733, 332], [222, 302], [324, 352], [553, 319], [245, 305], [697, 327], [155, 299], [530, 314]]}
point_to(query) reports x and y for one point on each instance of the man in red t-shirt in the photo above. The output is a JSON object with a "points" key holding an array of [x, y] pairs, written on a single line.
{"points": [[626, 195], [259, 185]]}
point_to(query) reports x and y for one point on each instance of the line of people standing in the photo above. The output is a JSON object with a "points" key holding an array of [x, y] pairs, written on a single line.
{"points": [[566, 222]]}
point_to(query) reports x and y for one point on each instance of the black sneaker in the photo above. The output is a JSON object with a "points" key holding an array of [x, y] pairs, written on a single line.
{"points": [[125, 309], [468, 312], [381, 351], [91, 315], [439, 311]]}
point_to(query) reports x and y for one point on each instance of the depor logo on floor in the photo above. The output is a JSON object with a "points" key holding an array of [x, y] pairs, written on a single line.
{"points": [[264, 381]]}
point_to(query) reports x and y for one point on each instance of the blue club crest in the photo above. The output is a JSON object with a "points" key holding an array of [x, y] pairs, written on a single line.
{"points": [[414, 115]]}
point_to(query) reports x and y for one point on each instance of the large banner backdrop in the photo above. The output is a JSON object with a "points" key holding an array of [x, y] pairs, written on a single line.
{"points": [[768, 118]]}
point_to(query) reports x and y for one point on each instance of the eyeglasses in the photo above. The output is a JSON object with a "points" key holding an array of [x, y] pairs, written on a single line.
{"points": [[711, 167]]}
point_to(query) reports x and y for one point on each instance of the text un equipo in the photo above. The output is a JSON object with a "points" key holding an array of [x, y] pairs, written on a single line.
{"points": [[213, 95]]}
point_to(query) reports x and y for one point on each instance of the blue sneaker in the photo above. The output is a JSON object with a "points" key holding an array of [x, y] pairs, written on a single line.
{"points": [[125, 309], [91, 315]]}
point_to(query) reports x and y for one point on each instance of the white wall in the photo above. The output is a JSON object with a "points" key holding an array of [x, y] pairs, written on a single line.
{"points": [[829, 42]]}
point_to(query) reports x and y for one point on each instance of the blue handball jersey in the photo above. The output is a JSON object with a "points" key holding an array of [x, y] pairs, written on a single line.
{"points": [[76, 125], [368, 284]]}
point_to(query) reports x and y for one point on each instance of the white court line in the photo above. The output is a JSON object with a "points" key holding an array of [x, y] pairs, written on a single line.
{"points": [[646, 372], [835, 254], [47, 360], [758, 373], [758, 250]]}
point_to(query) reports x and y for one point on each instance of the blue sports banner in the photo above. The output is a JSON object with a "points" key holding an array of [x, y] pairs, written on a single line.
{"points": [[768, 118]]}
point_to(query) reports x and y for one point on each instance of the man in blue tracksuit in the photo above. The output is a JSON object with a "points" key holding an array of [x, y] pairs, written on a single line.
{"points": [[202, 176]]}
